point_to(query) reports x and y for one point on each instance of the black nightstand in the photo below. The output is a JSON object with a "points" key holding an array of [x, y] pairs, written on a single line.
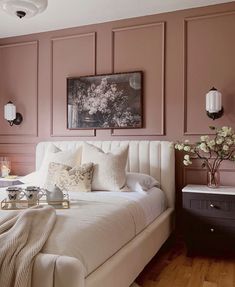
{"points": [[209, 218]]}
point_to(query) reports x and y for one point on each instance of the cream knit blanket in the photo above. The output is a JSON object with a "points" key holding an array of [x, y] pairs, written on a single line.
{"points": [[22, 236]]}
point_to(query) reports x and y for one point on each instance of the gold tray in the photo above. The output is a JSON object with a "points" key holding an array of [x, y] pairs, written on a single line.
{"points": [[23, 203]]}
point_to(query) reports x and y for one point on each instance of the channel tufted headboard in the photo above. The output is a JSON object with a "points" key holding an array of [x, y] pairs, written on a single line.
{"points": [[156, 158]]}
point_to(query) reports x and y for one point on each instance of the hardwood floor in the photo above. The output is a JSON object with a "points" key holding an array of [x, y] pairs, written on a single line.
{"points": [[173, 268]]}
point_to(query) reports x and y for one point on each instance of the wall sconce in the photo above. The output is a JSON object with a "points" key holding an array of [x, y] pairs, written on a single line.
{"points": [[11, 115], [214, 107]]}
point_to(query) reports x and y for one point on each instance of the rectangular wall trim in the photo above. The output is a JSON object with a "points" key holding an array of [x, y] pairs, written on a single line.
{"points": [[31, 133], [185, 65], [136, 132], [79, 133]]}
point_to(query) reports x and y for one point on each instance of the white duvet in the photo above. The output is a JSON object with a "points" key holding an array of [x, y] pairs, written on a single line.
{"points": [[98, 224]]}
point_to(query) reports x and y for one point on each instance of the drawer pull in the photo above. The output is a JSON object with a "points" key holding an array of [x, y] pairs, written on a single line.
{"points": [[212, 205], [212, 230]]}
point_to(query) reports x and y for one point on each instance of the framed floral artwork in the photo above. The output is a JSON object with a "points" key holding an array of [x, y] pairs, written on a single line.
{"points": [[110, 101]]}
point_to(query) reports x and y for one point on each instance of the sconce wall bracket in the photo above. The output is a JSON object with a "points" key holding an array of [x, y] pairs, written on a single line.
{"points": [[17, 121], [217, 115]]}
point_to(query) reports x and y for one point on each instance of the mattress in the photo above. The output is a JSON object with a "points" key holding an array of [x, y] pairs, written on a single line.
{"points": [[99, 224]]}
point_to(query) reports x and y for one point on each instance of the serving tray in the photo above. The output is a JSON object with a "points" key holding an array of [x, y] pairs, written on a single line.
{"points": [[23, 203]]}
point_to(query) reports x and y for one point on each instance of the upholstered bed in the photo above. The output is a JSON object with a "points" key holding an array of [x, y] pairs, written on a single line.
{"points": [[107, 238]]}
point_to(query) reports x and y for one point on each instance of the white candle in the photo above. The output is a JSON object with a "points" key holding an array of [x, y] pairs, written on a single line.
{"points": [[5, 171]]}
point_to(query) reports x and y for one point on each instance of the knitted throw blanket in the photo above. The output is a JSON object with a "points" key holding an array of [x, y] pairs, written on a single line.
{"points": [[22, 236]]}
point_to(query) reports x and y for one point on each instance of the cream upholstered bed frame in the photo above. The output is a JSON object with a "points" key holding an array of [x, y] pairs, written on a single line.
{"points": [[155, 158]]}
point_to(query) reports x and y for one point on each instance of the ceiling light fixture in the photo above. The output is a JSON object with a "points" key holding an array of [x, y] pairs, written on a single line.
{"points": [[23, 8]]}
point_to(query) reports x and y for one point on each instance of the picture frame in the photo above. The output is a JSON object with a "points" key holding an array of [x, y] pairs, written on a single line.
{"points": [[108, 101]]}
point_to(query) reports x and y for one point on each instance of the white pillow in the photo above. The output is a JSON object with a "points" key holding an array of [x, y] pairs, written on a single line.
{"points": [[109, 168], [140, 182], [31, 178], [54, 154], [34, 177]]}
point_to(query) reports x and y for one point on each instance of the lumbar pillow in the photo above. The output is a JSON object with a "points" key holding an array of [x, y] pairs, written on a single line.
{"points": [[109, 168], [70, 158], [67, 178], [140, 182]]}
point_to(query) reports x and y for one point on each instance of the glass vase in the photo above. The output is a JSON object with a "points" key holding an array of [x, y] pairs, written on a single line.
{"points": [[213, 179]]}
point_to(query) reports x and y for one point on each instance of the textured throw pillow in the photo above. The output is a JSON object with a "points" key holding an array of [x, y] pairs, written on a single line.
{"points": [[70, 158], [109, 168], [66, 178]]}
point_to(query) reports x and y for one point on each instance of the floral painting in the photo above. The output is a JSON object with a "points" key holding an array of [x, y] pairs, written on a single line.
{"points": [[105, 101]]}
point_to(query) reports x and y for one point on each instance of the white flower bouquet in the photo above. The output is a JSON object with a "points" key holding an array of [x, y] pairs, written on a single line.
{"points": [[212, 151]]}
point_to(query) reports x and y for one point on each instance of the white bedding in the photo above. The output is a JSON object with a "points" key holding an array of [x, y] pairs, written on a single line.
{"points": [[98, 224], [149, 204]]}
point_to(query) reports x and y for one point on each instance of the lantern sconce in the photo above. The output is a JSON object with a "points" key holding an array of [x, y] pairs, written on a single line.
{"points": [[214, 108], [11, 115]]}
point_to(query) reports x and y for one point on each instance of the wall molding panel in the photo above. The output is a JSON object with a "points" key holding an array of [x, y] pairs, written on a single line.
{"points": [[125, 43], [19, 65], [72, 56], [202, 61]]}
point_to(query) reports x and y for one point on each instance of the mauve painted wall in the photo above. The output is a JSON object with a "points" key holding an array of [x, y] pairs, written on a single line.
{"points": [[182, 54]]}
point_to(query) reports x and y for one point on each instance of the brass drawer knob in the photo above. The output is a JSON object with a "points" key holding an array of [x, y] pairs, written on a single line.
{"points": [[212, 230]]}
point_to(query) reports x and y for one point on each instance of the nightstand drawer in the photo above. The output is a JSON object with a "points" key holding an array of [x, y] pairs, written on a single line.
{"points": [[211, 226], [210, 234], [209, 205]]}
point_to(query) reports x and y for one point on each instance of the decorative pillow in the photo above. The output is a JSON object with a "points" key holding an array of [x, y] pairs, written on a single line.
{"points": [[109, 168], [140, 182], [66, 178], [31, 178], [37, 177], [70, 158]]}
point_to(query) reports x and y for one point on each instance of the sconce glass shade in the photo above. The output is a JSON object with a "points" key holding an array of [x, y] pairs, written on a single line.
{"points": [[11, 115], [9, 111], [214, 106], [213, 101]]}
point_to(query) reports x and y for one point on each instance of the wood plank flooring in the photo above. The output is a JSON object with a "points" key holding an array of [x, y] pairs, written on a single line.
{"points": [[173, 268]]}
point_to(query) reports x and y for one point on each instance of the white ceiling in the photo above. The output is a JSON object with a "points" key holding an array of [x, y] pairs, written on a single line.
{"points": [[71, 13]]}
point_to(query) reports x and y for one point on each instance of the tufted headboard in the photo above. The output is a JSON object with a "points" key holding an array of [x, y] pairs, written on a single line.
{"points": [[156, 158]]}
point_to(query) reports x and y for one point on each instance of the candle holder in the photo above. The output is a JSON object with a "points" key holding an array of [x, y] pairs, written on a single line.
{"points": [[5, 167]]}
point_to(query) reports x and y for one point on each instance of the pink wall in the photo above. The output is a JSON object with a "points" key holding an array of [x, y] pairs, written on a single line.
{"points": [[182, 54]]}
